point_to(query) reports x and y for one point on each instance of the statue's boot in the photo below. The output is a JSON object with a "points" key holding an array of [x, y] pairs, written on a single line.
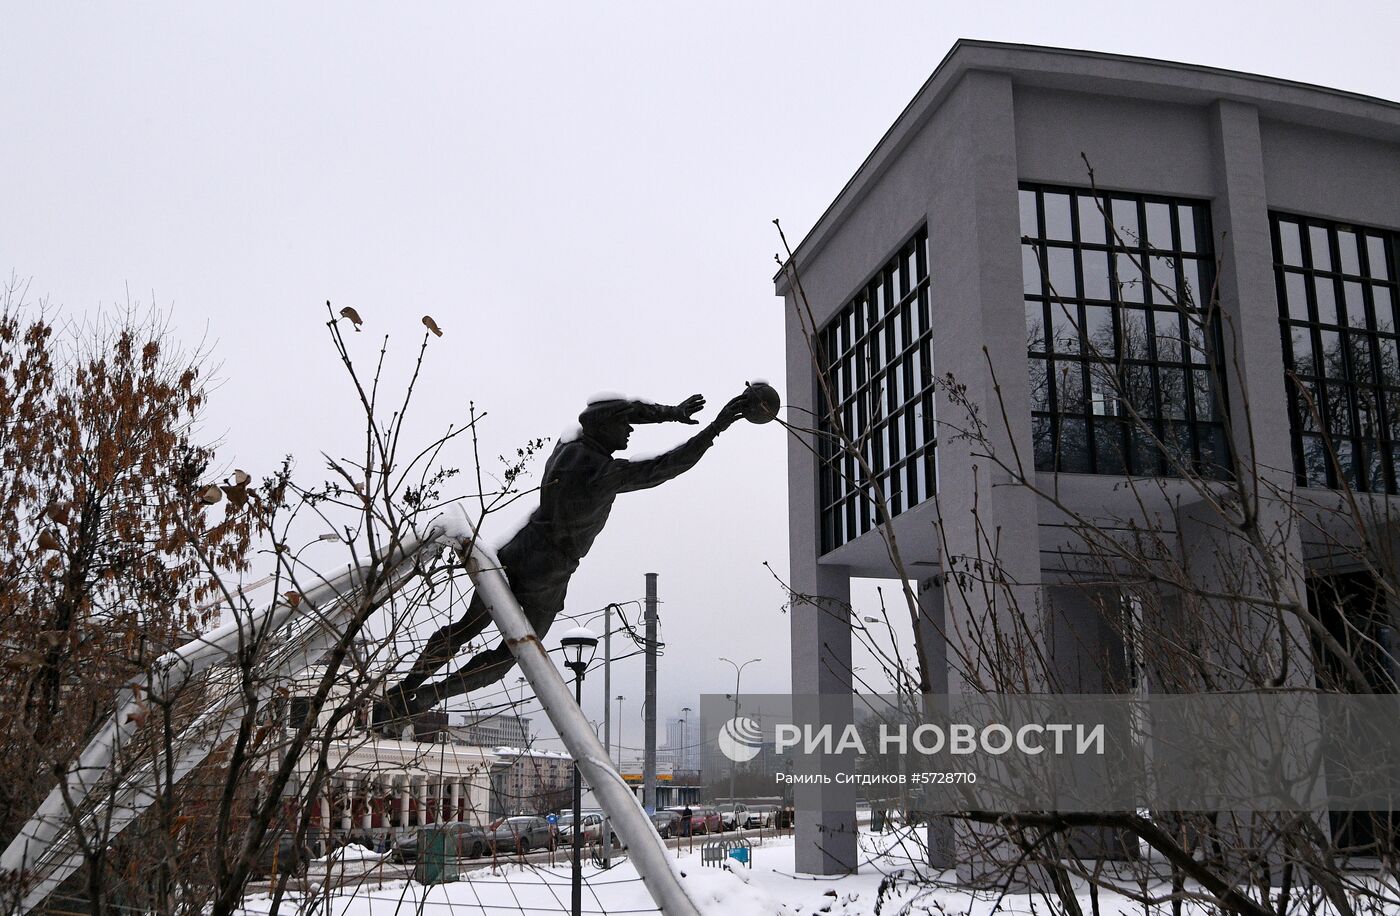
{"points": [[393, 716]]}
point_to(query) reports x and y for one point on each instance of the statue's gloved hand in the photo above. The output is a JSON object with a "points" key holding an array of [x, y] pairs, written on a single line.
{"points": [[685, 411], [731, 412]]}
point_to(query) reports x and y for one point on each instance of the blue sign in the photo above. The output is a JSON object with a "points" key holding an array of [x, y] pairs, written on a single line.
{"points": [[551, 819]]}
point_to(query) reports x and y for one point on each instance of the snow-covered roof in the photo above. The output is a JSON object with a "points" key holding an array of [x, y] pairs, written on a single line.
{"points": [[504, 751]]}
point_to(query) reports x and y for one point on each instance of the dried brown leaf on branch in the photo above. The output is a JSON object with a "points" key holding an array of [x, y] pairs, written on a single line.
{"points": [[108, 560], [351, 314]]}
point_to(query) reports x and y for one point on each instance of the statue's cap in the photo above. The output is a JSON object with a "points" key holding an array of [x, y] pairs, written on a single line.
{"points": [[604, 411]]}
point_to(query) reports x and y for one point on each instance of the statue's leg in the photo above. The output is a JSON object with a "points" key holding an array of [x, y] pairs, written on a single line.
{"points": [[443, 644], [403, 700], [486, 668], [538, 576], [482, 670]]}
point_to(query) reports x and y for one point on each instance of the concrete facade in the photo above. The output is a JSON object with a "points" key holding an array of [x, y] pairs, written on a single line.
{"points": [[992, 119]]}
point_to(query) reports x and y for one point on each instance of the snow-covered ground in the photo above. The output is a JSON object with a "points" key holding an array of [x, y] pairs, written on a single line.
{"points": [[885, 885]]}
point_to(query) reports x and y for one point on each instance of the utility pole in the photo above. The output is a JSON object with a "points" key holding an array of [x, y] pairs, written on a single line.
{"points": [[649, 709]]}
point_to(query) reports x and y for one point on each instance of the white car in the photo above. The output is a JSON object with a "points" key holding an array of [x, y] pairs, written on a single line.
{"points": [[592, 828], [733, 816], [760, 816]]}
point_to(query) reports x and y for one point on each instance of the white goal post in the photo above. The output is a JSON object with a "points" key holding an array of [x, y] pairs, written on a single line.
{"points": [[45, 851]]}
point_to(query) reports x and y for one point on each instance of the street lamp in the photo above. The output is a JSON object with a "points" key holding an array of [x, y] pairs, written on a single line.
{"points": [[578, 645], [685, 738], [733, 767]]}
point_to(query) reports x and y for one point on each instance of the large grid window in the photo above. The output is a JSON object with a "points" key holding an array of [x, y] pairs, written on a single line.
{"points": [[1118, 342], [1337, 304], [879, 371]]}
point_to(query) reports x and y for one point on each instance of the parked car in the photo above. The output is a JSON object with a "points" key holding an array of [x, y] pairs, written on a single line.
{"points": [[703, 819], [522, 834], [732, 815], [760, 816], [281, 854], [667, 823], [468, 840], [592, 828], [472, 842], [710, 818]]}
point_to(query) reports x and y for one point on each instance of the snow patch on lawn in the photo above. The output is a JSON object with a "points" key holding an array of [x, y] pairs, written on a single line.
{"points": [[892, 877]]}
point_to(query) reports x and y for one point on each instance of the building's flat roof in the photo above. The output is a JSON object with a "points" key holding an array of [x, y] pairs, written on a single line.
{"points": [[1118, 75], [503, 751]]}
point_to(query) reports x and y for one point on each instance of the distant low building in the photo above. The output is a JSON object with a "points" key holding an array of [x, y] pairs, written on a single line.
{"points": [[377, 787], [488, 730], [530, 781]]}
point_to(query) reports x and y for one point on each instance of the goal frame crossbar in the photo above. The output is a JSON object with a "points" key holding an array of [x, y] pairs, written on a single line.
{"points": [[46, 849]]}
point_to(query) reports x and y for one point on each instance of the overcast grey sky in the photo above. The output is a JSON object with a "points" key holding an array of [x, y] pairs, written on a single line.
{"points": [[579, 193]]}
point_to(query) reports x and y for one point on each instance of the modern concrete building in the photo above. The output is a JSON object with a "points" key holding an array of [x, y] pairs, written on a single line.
{"points": [[972, 247]]}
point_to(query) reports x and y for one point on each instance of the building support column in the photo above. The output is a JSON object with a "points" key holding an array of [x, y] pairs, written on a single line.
{"points": [[987, 516], [821, 686]]}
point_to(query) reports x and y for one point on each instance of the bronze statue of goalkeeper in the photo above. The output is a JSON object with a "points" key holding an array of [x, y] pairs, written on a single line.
{"points": [[580, 482]]}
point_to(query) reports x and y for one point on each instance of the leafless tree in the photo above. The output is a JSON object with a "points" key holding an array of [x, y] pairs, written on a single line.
{"points": [[121, 545]]}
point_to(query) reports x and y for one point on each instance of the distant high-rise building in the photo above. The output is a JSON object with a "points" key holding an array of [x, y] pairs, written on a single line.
{"points": [[683, 740]]}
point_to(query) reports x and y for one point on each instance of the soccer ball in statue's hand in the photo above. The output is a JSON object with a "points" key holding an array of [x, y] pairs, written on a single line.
{"points": [[763, 402]]}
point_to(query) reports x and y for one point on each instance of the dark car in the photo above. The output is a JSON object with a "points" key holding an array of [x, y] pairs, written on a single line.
{"points": [[522, 834], [472, 841], [281, 854], [667, 823], [468, 840]]}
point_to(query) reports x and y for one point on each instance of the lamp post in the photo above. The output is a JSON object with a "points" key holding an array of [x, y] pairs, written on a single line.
{"points": [[733, 767], [900, 715], [578, 645], [685, 738]]}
